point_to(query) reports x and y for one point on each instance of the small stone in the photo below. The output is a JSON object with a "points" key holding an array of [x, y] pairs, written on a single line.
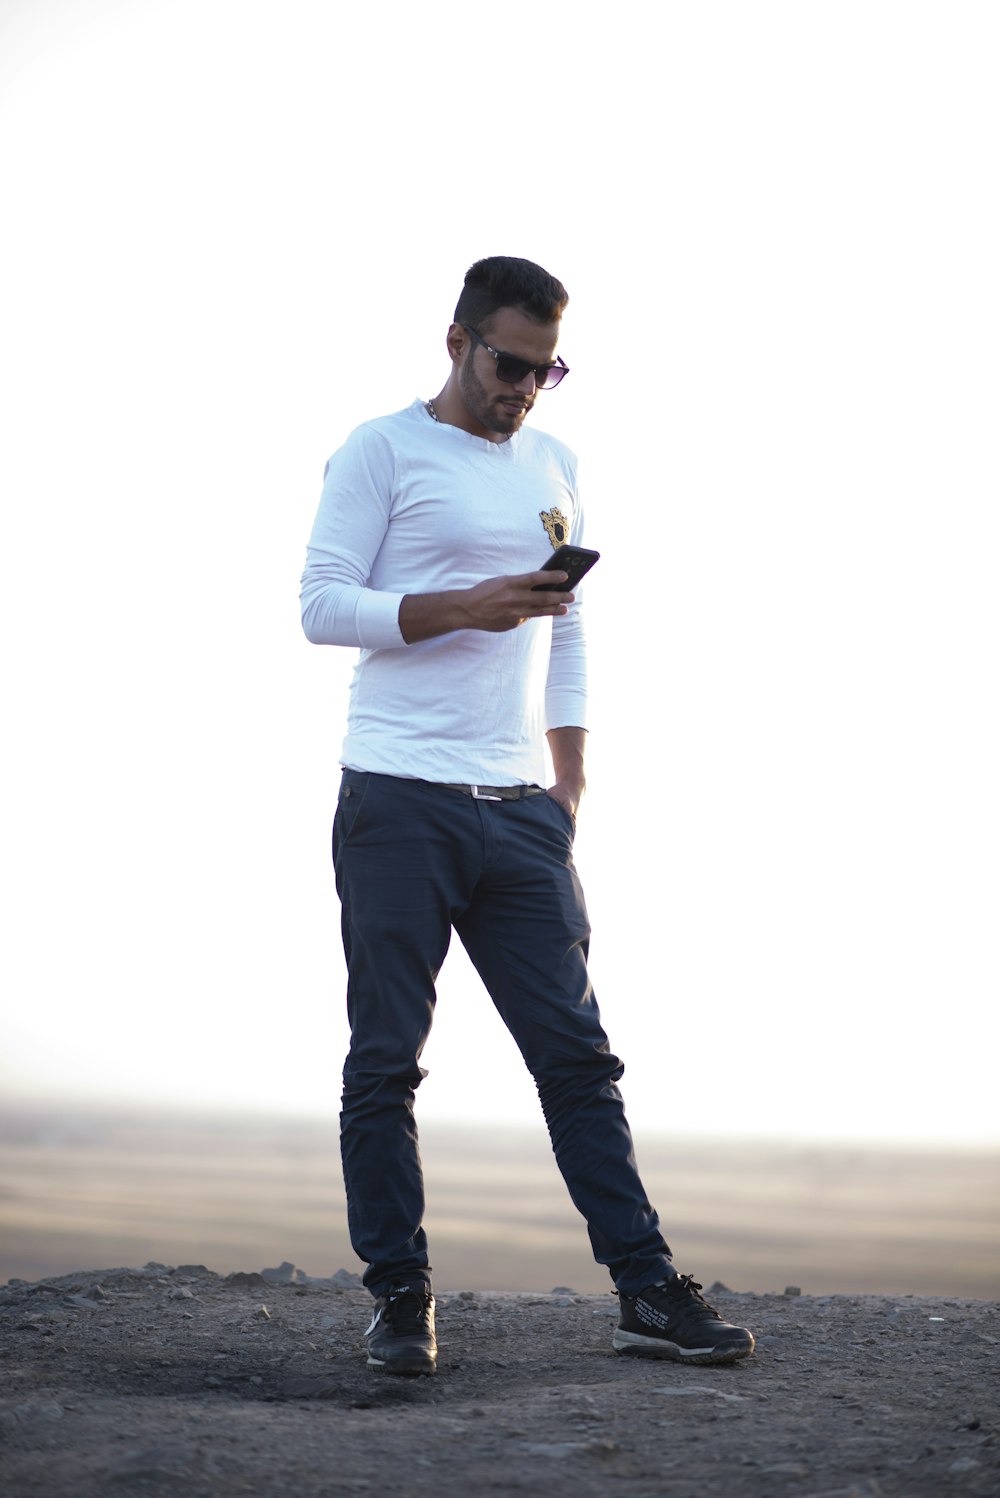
{"points": [[82, 1303], [466, 1295], [181, 1293], [283, 1275], [240, 1277], [602, 1448], [563, 1290], [346, 1279], [793, 1290], [698, 1391], [263, 1314]]}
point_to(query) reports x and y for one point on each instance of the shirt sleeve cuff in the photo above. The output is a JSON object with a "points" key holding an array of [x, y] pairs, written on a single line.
{"points": [[565, 708], [377, 620]]}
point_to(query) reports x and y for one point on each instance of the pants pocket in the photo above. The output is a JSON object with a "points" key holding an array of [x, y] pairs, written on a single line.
{"points": [[354, 788]]}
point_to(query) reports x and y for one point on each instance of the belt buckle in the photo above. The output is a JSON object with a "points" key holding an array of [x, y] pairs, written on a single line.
{"points": [[477, 797]]}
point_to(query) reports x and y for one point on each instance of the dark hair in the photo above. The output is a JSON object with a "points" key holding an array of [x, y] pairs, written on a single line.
{"points": [[505, 281]]}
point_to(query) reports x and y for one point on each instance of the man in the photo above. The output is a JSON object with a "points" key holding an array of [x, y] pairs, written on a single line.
{"points": [[426, 554]]}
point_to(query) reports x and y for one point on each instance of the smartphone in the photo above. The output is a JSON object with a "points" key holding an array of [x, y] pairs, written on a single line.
{"points": [[576, 560]]}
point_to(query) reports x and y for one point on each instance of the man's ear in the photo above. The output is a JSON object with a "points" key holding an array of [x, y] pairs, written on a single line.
{"points": [[457, 342]]}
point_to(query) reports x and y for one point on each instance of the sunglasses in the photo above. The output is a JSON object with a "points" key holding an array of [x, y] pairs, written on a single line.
{"points": [[512, 370]]}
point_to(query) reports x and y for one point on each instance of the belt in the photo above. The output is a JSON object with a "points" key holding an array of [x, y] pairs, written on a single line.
{"points": [[496, 792]]}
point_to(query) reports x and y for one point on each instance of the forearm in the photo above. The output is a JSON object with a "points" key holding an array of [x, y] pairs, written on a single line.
{"points": [[496, 604], [567, 747], [423, 616]]}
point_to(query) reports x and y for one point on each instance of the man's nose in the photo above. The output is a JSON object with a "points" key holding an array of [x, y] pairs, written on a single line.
{"points": [[527, 385]]}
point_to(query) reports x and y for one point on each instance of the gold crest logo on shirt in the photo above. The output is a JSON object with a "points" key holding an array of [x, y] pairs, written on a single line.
{"points": [[556, 526]]}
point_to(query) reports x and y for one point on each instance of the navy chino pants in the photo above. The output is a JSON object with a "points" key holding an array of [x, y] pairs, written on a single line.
{"points": [[413, 861]]}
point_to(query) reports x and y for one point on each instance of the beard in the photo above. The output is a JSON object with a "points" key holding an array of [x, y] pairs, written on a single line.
{"points": [[489, 411]]}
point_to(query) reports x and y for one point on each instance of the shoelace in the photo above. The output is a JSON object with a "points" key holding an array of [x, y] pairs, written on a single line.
{"points": [[403, 1317], [684, 1289], [692, 1289]]}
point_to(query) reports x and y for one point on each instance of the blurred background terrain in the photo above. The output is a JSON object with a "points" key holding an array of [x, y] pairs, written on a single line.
{"points": [[97, 1190]]}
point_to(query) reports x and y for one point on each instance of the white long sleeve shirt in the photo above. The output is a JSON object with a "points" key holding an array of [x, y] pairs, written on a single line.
{"points": [[410, 505]]}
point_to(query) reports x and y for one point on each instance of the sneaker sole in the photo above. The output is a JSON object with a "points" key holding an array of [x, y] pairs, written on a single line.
{"points": [[658, 1347], [410, 1367]]}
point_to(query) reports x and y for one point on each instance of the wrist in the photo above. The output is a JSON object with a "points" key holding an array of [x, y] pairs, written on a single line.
{"points": [[422, 616]]}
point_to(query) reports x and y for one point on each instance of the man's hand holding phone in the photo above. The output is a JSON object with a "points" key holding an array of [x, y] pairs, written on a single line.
{"points": [[498, 603], [534, 595], [501, 603]]}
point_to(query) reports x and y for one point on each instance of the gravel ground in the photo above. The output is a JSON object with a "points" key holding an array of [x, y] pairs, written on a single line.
{"points": [[161, 1381]]}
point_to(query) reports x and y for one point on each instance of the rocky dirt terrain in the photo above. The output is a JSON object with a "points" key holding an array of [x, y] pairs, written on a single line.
{"points": [[176, 1381]]}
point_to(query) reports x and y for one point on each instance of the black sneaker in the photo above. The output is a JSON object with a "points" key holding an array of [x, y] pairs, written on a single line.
{"points": [[401, 1336], [672, 1320]]}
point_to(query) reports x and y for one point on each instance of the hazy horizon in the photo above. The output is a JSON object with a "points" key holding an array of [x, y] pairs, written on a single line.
{"points": [[87, 1189], [59, 1108]]}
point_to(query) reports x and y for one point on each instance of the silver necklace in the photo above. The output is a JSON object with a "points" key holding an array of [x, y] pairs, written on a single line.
{"points": [[429, 408]]}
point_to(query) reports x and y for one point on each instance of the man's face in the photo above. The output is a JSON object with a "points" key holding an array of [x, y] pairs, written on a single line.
{"points": [[496, 410]]}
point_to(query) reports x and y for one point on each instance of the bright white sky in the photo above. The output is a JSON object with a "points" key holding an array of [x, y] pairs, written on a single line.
{"points": [[232, 231]]}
